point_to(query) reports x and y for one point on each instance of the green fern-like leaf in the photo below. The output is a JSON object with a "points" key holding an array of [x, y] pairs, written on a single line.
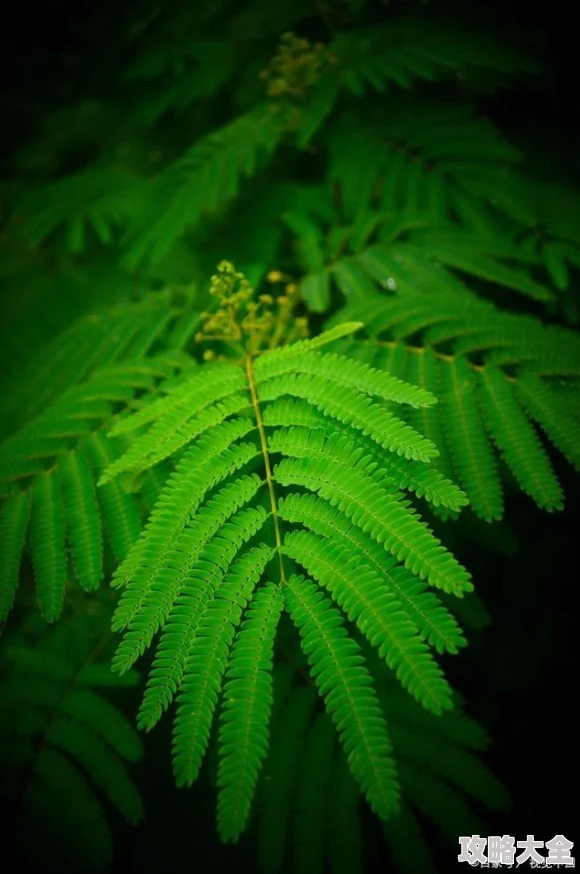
{"points": [[52, 465], [66, 744], [342, 679], [401, 51], [373, 250], [281, 767], [497, 375], [310, 811], [13, 525], [246, 711], [316, 769], [221, 544], [101, 339], [48, 538], [96, 200], [204, 179]]}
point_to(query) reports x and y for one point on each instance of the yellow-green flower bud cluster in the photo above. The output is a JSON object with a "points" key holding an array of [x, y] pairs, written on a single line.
{"points": [[294, 68], [255, 321]]}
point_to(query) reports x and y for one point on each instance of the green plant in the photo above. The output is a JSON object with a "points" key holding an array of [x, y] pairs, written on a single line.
{"points": [[257, 467], [63, 742]]}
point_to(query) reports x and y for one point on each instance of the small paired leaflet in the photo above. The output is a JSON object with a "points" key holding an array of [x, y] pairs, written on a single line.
{"points": [[495, 851]]}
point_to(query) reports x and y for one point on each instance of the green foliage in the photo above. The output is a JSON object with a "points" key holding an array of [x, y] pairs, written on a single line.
{"points": [[309, 803], [257, 467], [496, 375], [49, 470], [64, 745], [218, 525]]}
